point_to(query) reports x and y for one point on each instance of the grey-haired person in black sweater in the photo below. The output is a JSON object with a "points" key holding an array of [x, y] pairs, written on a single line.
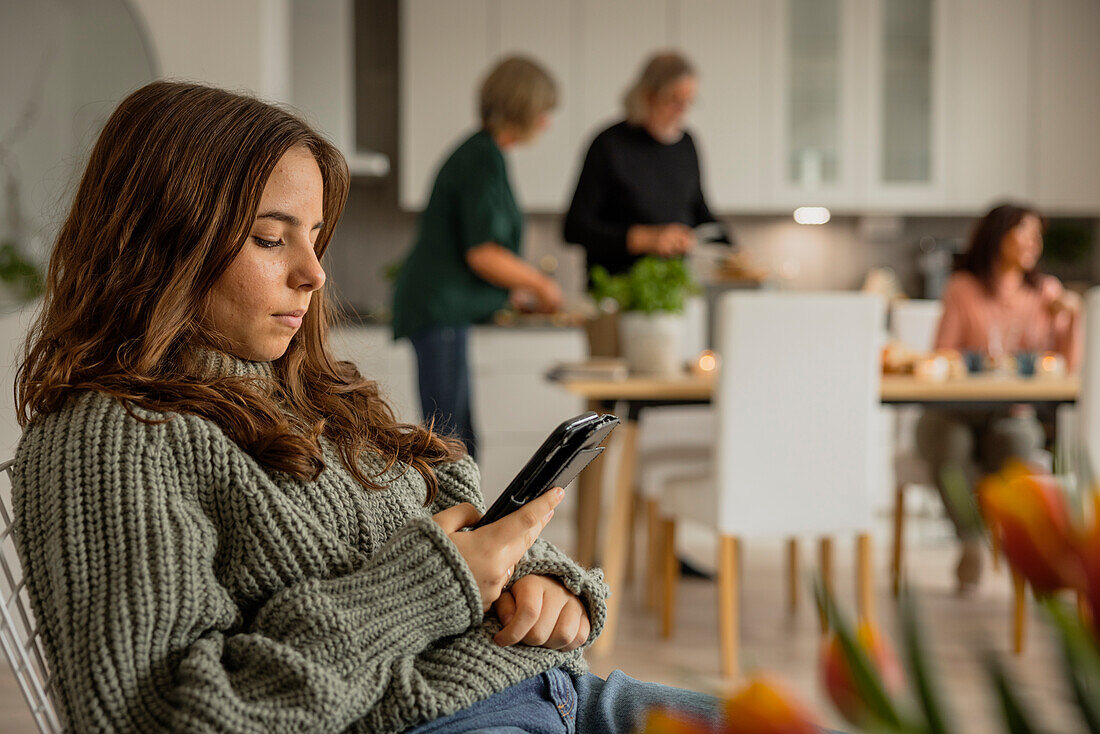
{"points": [[640, 191]]}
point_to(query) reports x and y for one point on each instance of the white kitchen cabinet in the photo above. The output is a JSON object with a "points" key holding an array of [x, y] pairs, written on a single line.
{"points": [[392, 364], [990, 62], [445, 51], [811, 104], [905, 106], [1067, 107], [543, 173], [856, 92], [905, 79], [515, 408], [725, 40], [322, 78], [616, 37]]}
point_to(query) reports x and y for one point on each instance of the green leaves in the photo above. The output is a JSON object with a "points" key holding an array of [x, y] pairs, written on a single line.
{"points": [[1015, 719], [919, 668], [19, 274], [1081, 660], [653, 284]]}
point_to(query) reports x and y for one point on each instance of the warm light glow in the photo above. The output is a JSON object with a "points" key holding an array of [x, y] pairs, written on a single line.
{"points": [[704, 365], [1049, 363], [811, 215]]}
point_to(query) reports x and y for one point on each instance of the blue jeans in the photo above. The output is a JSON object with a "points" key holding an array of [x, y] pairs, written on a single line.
{"points": [[554, 702], [443, 374]]}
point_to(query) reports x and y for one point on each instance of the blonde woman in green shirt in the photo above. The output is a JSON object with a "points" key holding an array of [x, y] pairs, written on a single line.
{"points": [[465, 260], [222, 526]]}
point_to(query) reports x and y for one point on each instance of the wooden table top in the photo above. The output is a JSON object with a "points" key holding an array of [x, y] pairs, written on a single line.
{"points": [[895, 389]]}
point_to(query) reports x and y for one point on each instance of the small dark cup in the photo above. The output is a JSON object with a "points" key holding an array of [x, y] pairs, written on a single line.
{"points": [[975, 362], [1025, 363]]}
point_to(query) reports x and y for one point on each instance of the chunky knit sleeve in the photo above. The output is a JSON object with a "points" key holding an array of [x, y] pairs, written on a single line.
{"points": [[461, 482], [120, 556]]}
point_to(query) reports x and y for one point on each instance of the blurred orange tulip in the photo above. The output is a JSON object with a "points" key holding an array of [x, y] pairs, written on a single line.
{"points": [[765, 707], [836, 674], [1027, 512]]}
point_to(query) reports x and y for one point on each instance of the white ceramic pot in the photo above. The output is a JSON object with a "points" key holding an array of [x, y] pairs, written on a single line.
{"points": [[651, 342]]}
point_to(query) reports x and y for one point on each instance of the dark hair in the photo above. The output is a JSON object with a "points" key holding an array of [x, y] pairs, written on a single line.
{"points": [[164, 206], [985, 242]]}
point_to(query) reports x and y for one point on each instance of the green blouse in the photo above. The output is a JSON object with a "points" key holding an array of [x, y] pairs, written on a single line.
{"points": [[471, 204]]}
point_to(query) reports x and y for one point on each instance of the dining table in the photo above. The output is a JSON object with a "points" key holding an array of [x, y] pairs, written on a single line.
{"points": [[629, 396]]}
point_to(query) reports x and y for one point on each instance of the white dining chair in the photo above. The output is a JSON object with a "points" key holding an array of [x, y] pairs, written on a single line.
{"points": [[913, 323], [797, 400], [1087, 414], [18, 636]]}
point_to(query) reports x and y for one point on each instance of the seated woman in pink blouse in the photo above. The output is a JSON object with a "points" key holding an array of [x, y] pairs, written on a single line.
{"points": [[997, 304]]}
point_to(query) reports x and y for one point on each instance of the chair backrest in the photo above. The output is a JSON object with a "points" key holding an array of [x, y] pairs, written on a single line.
{"points": [[913, 322], [18, 636], [797, 399], [1088, 403]]}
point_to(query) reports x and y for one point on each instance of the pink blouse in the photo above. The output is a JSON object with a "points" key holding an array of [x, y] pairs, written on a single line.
{"points": [[975, 321]]}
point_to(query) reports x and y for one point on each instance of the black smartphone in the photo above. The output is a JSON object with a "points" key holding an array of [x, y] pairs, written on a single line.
{"points": [[562, 456]]}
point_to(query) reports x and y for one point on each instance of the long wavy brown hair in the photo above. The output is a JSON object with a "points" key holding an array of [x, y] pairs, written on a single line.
{"points": [[165, 204]]}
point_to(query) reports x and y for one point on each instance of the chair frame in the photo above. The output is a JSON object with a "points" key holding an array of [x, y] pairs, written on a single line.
{"points": [[19, 637]]}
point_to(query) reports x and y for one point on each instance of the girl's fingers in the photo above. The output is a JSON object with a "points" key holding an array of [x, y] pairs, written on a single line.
{"points": [[524, 617]]}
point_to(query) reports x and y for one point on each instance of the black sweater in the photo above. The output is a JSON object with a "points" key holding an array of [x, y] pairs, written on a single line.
{"points": [[631, 178]]}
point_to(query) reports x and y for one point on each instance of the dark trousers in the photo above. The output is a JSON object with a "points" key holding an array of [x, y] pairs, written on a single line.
{"points": [[976, 441], [443, 375]]}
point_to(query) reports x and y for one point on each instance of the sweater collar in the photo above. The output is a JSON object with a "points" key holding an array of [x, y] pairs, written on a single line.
{"points": [[220, 364]]}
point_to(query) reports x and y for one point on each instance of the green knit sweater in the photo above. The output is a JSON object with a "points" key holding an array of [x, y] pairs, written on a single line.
{"points": [[181, 586]]}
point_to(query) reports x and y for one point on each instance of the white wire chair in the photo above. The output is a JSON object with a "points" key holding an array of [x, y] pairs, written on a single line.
{"points": [[19, 637]]}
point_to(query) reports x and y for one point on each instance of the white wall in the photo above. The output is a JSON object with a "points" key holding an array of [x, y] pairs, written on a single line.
{"points": [[76, 60]]}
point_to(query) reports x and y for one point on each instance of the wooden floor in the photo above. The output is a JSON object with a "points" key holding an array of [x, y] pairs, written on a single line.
{"points": [[787, 645]]}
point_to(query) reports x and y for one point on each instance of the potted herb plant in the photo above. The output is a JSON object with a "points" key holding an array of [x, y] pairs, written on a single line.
{"points": [[650, 299]]}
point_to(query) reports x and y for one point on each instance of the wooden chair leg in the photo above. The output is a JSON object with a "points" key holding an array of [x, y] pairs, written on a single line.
{"points": [[631, 540], [865, 592], [792, 575], [825, 560], [1019, 613], [729, 606], [615, 540], [654, 550], [670, 568], [589, 499], [899, 539]]}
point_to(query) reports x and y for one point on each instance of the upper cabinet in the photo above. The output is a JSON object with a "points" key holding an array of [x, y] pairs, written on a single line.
{"points": [[725, 41], [542, 30], [908, 106], [444, 53], [990, 58], [1067, 105], [812, 103]]}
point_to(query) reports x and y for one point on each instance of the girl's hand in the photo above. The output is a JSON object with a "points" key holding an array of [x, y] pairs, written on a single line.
{"points": [[493, 551], [540, 612], [1069, 302]]}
